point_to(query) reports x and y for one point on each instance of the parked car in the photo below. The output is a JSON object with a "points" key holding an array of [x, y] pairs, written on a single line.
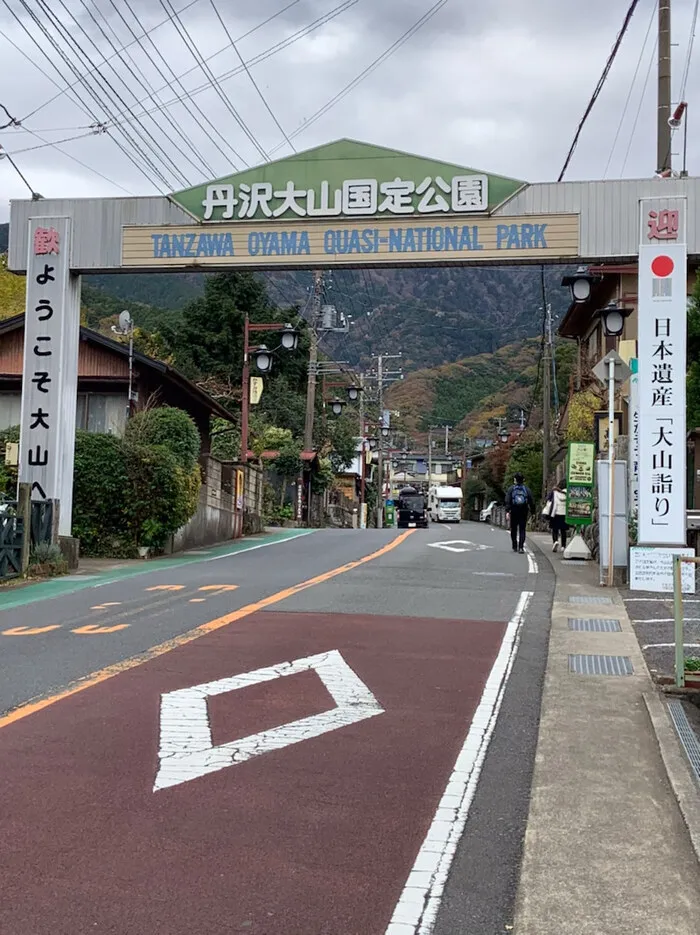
{"points": [[487, 512]]}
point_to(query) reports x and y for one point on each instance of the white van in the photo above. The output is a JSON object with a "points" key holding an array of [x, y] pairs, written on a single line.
{"points": [[445, 504]]}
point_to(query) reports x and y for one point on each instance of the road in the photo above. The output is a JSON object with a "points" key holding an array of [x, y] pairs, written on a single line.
{"points": [[331, 734]]}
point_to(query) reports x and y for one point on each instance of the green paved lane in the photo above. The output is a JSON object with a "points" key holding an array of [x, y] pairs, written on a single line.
{"points": [[56, 587]]}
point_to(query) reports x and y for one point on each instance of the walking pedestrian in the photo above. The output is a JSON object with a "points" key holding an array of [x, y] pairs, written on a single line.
{"points": [[558, 517], [519, 503]]}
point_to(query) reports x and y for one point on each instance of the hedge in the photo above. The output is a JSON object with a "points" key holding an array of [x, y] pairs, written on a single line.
{"points": [[170, 428]]}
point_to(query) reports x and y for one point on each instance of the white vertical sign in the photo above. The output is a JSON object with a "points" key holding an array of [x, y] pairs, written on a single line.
{"points": [[48, 319], [662, 330], [633, 471]]}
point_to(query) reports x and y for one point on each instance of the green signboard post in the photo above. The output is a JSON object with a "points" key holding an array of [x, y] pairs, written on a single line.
{"points": [[579, 484]]}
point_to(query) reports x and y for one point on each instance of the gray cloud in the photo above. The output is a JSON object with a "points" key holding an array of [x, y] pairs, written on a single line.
{"points": [[498, 86]]}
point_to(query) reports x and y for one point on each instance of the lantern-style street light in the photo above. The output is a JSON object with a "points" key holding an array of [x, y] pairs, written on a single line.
{"points": [[337, 406], [262, 357], [581, 284], [613, 317], [353, 393]]}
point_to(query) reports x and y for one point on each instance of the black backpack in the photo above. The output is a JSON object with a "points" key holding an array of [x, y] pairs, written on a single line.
{"points": [[519, 495]]}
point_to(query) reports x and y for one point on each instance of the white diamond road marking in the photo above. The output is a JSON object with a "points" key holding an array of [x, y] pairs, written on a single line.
{"points": [[186, 747], [459, 545]]}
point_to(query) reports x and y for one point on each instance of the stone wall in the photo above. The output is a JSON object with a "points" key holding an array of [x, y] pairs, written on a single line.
{"points": [[216, 519]]}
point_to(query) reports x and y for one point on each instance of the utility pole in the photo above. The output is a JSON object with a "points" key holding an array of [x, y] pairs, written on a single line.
{"points": [[447, 439], [313, 361], [546, 400], [430, 456], [363, 519], [663, 143]]}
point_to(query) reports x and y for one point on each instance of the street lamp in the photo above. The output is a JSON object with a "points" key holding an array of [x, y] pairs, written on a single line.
{"points": [[263, 359], [290, 338], [385, 431], [504, 436], [580, 284], [613, 317], [353, 393], [372, 443], [337, 406]]}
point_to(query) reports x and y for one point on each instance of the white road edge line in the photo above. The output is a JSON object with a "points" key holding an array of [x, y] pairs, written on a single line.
{"points": [[667, 620], [418, 905], [532, 567], [215, 558]]}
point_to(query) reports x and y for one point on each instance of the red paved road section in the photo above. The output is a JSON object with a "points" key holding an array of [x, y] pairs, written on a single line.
{"points": [[314, 839]]}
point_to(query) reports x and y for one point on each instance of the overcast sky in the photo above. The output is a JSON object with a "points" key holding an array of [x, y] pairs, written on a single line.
{"points": [[497, 86]]}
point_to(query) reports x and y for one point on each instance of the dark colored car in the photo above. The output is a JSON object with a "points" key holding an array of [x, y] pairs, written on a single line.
{"points": [[411, 511]]}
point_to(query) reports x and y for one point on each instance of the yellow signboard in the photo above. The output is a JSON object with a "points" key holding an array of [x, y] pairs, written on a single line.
{"points": [[376, 241], [256, 390], [581, 459]]}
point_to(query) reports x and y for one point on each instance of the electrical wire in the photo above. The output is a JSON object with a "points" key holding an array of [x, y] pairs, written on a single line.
{"points": [[250, 75], [6, 155], [69, 87], [267, 53], [206, 70], [689, 55], [151, 142], [45, 145], [366, 72], [138, 157], [201, 166], [186, 101], [631, 88], [599, 86], [639, 106]]}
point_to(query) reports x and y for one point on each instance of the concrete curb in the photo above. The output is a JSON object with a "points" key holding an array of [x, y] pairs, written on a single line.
{"points": [[682, 783]]}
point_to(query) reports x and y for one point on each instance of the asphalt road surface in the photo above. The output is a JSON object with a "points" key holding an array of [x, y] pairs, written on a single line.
{"points": [[330, 735]]}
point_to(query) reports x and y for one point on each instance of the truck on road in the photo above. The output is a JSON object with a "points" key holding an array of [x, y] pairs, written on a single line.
{"points": [[445, 504]]}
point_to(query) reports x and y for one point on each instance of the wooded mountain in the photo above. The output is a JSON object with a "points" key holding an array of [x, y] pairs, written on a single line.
{"points": [[433, 315]]}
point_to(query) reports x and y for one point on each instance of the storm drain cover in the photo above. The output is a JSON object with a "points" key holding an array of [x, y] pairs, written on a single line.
{"points": [[600, 665], [595, 624], [583, 599], [686, 735]]}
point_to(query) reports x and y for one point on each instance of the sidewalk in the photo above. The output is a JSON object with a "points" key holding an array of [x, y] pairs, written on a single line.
{"points": [[606, 848]]}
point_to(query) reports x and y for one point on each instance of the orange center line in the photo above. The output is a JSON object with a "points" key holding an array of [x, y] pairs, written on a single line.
{"points": [[32, 707]]}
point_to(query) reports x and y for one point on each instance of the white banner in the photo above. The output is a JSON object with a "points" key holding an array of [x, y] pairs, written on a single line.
{"points": [[42, 419], [662, 328]]}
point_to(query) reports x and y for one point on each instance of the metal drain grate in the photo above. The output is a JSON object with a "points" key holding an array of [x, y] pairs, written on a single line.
{"points": [[595, 624], [600, 665], [583, 599], [686, 735]]}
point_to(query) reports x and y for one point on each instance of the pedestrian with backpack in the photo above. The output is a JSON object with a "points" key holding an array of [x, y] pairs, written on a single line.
{"points": [[519, 503]]}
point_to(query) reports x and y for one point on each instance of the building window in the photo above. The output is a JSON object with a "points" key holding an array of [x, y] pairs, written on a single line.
{"points": [[103, 413], [10, 407]]}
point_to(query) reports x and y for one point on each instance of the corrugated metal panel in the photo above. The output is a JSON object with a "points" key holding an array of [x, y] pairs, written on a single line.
{"points": [[97, 227], [608, 211]]}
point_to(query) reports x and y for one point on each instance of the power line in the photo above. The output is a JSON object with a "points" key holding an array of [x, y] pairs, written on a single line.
{"points": [[387, 53], [206, 70], [639, 107], [599, 86], [69, 87], [191, 110], [202, 166], [250, 75], [262, 56], [631, 88], [151, 172]]}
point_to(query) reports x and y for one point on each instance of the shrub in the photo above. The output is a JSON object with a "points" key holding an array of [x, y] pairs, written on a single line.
{"points": [[127, 495], [101, 495], [163, 496], [170, 428]]}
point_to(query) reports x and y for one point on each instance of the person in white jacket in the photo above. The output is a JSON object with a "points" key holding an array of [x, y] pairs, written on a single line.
{"points": [[557, 517]]}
